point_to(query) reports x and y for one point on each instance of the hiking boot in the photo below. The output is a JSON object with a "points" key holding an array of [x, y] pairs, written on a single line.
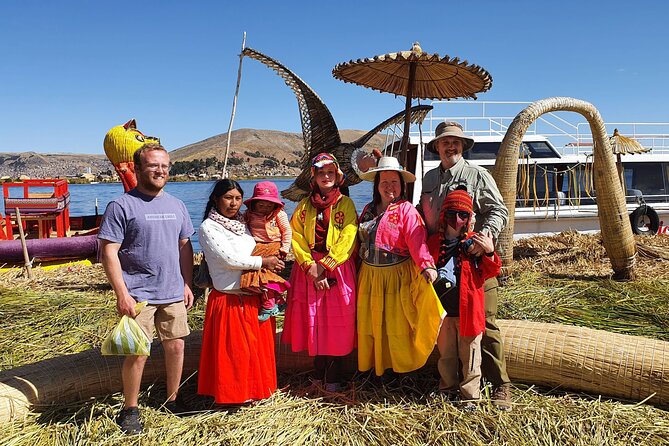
{"points": [[176, 407], [468, 406], [501, 397], [450, 395], [390, 378], [129, 422]]}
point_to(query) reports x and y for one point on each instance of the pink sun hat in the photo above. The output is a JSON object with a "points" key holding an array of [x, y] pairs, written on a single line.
{"points": [[265, 190]]}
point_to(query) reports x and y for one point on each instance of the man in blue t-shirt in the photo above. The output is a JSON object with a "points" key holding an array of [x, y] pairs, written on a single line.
{"points": [[147, 256]]}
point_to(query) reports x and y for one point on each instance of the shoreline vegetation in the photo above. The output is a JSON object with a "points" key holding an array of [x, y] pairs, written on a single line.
{"points": [[177, 179], [564, 278], [98, 169]]}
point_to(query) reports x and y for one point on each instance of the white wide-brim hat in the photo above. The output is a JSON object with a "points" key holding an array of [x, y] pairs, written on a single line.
{"points": [[389, 163]]}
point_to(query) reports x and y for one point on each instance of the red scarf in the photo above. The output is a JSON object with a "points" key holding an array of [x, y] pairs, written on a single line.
{"points": [[323, 204]]}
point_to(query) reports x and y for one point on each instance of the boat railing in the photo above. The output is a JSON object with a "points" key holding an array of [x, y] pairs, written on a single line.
{"points": [[570, 137], [651, 135], [551, 206]]}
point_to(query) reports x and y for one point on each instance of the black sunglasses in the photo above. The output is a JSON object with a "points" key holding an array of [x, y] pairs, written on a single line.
{"points": [[462, 214]]}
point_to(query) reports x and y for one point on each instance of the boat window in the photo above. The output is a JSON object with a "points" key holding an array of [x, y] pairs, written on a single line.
{"points": [[539, 149], [489, 150], [482, 151], [648, 178], [628, 177]]}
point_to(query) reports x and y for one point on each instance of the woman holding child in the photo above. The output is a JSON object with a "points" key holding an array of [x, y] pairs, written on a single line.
{"points": [[399, 314], [237, 362]]}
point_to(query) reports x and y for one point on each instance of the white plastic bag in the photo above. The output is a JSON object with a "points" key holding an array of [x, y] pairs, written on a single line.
{"points": [[128, 338]]}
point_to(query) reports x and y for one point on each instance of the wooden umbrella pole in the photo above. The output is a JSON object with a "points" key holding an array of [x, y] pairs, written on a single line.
{"points": [[407, 115], [420, 147], [26, 258], [234, 107], [621, 172]]}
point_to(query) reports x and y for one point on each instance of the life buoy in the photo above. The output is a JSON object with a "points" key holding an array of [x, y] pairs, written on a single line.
{"points": [[644, 220]]}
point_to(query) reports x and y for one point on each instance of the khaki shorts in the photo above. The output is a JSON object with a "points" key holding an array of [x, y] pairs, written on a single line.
{"points": [[170, 320]]}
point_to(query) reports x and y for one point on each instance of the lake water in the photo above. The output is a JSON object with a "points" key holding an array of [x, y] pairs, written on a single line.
{"points": [[193, 194]]}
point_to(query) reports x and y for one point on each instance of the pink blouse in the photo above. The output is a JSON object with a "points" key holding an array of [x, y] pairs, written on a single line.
{"points": [[402, 231]]}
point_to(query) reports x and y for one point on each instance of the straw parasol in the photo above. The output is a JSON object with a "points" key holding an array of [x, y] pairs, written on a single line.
{"points": [[622, 145], [416, 74]]}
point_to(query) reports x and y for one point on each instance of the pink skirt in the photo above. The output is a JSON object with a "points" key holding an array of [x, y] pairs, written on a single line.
{"points": [[321, 321]]}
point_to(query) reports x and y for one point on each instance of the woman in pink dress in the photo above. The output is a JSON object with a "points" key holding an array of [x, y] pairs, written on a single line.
{"points": [[320, 317]]}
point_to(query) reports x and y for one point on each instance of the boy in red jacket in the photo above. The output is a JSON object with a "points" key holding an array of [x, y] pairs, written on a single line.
{"points": [[460, 288]]}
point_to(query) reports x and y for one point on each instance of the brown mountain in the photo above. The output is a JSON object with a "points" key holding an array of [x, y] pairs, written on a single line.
{"points": [[279, 145], [43, 165], [250, 147], [286, 147]]}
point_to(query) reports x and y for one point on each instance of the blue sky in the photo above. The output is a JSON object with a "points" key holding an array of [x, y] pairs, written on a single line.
{"points": [[73, 69]]}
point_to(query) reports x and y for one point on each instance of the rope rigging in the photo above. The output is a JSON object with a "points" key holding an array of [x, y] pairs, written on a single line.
{"points": [[578, 180]]}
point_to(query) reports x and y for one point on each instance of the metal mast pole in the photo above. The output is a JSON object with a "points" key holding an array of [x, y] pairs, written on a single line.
{"points": [[234, 108]]}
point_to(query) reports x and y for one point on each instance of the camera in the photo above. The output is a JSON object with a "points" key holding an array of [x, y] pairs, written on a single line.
{"points": [[465, 244], [444, 278]]}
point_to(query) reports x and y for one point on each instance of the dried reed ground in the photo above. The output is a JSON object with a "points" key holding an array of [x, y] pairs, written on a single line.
{"points": [[558, 279]]}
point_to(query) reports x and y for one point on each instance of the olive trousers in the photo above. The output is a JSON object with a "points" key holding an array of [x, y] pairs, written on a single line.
{"points": [[459, 356], [493, 362]]}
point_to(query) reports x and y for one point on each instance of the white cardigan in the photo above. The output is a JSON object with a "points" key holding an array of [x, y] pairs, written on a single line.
{"points": [[227, 254]]}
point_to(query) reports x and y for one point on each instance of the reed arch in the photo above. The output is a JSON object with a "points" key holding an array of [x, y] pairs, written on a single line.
{"points": [[613, 219]]}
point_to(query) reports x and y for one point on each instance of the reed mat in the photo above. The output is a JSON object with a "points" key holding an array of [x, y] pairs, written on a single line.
{"points": [[400, 412], [565, 278], [582, 256]]}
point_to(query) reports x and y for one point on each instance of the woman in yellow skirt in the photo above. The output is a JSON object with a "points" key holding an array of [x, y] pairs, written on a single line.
{"points": [[399, 313]]}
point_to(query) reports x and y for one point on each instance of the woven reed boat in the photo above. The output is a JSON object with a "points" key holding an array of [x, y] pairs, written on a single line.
{"points": [[572, 358], [44, 211], [63, 249]]}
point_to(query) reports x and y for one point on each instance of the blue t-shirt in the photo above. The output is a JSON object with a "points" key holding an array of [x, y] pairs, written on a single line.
{"points": [[149, 230]]}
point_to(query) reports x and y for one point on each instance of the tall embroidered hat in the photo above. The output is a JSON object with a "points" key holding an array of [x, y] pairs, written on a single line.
{"points": [[323, 159], [265, 190]]}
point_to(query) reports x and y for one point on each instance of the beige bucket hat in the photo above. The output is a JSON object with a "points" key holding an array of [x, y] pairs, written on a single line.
{"points": [[450, 128], [388, 163]]}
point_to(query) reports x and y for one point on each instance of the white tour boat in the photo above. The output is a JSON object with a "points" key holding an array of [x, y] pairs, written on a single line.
{"points": [[555, 184]]}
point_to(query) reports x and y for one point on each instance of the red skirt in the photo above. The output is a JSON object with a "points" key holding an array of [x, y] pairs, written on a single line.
{"points": [[237, 362]]}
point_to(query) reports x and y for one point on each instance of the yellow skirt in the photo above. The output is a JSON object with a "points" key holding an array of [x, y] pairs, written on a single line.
{"points": [[399, 316]]}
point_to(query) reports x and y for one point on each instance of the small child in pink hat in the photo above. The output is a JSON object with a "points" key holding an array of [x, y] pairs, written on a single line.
{"points": [[269, 225]]}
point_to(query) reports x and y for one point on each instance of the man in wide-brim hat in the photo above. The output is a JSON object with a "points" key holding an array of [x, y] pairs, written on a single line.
{"points": [[450, 142], [453, 130]]}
